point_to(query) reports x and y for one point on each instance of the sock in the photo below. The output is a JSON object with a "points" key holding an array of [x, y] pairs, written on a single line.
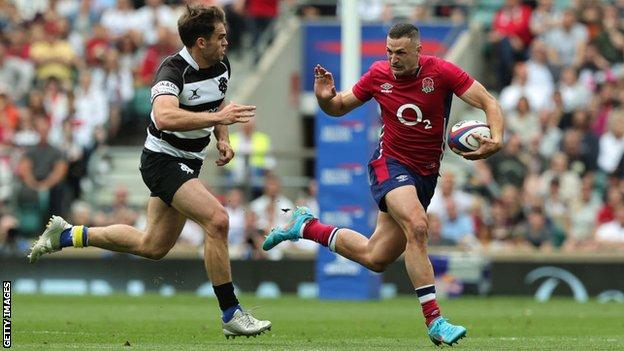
{"points": [[76, 236], [227, 300], [430, 309], [229, 313], [323, 234]]}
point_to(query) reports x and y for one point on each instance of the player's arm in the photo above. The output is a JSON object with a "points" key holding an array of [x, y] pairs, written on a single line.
{"points": [[169, 116], [221, 132], [479, 97], [332, 103]]}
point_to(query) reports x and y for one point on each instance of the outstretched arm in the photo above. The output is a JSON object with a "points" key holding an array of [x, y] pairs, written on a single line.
{"points": [[169, 116], [332, 103], [479, 97]]}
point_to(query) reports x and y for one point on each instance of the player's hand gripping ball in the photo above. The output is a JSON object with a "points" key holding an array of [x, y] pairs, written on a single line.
{"points": [[461, 137]]}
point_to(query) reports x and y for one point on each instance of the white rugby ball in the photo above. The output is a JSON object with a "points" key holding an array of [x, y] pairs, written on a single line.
{"points": [[460, 137]]}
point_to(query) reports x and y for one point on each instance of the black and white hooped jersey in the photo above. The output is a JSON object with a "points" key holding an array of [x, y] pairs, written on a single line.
{"points": [[198, 90]]}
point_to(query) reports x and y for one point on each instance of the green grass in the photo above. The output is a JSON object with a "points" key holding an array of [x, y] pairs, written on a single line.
{"points": [[187, 322]]}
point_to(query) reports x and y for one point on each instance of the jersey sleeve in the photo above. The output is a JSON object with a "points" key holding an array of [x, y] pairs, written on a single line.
{"points": [[168, 81], [363, 88], [459, 81]]}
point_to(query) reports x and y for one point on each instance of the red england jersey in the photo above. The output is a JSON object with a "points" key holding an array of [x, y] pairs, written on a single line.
{"points": [[414, 109]]}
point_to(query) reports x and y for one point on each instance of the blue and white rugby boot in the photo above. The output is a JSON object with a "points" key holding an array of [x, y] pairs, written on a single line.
{"points": [[291, 231], [441, 331]]}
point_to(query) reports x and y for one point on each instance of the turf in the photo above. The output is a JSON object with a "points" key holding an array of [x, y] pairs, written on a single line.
{"points": [[186, 322]]}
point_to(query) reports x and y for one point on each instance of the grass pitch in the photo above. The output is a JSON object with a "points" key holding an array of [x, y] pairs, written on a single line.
{"points": [[186, 322]]}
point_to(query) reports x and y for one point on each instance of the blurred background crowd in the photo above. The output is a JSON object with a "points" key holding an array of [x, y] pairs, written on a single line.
{"points": [[75, 79]]}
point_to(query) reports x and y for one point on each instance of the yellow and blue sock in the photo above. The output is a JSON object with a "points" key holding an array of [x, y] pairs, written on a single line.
{"points": [[76, 236]]}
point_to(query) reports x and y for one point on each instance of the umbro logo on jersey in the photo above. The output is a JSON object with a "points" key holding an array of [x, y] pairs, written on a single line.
{"points": [[194, 94], [186, 168], [427, 85], [401, 178], [386, 88]]}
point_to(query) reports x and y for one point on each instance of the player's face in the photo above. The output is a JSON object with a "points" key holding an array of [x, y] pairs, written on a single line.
{"points": [[213, 48], [403, 55]]}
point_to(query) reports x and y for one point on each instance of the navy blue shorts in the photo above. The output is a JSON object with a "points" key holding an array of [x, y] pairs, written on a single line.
{"points": [[386, 173]]}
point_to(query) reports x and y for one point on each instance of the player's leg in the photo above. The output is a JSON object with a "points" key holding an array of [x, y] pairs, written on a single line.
{"points": [[197, 203], [164, 224], [405, 207], [385, 245], [163, 228]]}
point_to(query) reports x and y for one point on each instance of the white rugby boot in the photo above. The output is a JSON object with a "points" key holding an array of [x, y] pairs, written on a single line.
{"points": [[50, 240], [244, 324]]}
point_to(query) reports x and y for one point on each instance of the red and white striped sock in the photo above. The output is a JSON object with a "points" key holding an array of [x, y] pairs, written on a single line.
{"points": [[431, 310]]}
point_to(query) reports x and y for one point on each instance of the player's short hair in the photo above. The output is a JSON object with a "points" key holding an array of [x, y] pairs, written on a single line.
{"points": [[404, 30], [199, 21]]}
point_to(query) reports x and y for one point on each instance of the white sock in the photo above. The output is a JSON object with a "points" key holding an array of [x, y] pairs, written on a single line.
{"points": [[332, 240]]}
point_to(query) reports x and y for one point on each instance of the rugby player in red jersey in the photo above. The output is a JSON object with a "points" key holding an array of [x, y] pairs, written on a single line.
{"points": [[414, 92]]}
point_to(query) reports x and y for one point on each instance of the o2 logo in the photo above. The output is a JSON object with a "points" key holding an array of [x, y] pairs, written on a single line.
{"points": [[419, 116]]}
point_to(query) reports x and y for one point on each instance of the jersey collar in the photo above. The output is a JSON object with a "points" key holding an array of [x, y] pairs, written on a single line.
{"points": [[186, 55]]}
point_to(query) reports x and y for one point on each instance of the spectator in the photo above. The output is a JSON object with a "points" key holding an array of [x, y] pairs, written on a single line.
{"points": [[614, 198], [9, 117], [510, 36], [254, 160], [435, 232], [544, 17], [457, 226], [610, 39], [569, 182], [537, 232], [53, 56], [154, 14], [612, 144], [448, 192], [81, 213], [589, 141], [235, 14], [580, 161], [538, 96], [120, 20], [117, 83], [583, 220], [567, 41], [523, 122], [120, 211], [575, 95], [551, 134], [15, 73], [42, 171], [506, 165], [260, 15], [235, 207], [271, 207], [538, 70], [610, 235], [57, 105], [91, 110], [500, 228]]}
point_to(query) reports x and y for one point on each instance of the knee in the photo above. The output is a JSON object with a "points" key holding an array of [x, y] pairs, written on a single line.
{"points": [[417, 231], [218, 225]]}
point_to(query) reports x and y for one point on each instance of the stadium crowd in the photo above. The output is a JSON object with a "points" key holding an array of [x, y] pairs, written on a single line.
{"points": [[75, 77]]}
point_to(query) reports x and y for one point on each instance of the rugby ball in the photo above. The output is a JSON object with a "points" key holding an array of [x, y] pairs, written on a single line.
{"points": [[460, 137]]}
